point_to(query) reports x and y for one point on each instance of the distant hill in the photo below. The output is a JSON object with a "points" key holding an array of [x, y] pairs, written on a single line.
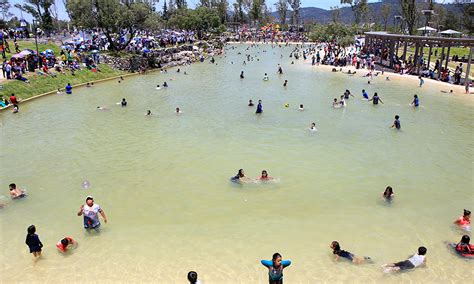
{"points": [[318, 15]]}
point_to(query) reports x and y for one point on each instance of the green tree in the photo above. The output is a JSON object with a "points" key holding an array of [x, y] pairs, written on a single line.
{"points": [[165, 11], [257, 11], [40, 10], [295, 6], [181, 4], [239, 14], [385, 12], [358, 7], [282, 9], [4, 10], [112, 17], [200, 20], [335, 14], [452, 21], [410, 14]]}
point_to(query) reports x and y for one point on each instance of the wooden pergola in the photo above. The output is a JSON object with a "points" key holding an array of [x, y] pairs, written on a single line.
{"points": [[394, 41]]}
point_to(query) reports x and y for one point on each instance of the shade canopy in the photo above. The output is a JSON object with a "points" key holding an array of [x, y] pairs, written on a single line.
{"points": [[449, 32], [426, 28]]}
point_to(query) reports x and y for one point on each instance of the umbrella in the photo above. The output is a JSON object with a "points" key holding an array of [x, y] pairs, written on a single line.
{"points": [[145, 50], [26, 52], [449, 32], [18, 55], [49, 51], [95, 51], [426, 28]]}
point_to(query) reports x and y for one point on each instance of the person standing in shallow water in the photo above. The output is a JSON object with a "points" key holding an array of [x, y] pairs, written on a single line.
{"points": [[242, 75], [259, 107], [91, 211], [33, 242]]}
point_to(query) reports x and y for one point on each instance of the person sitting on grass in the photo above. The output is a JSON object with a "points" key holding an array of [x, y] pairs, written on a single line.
{"points": [[21, 78]]}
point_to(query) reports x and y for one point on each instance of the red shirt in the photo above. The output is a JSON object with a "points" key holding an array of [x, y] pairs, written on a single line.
{"points": [[13, 100]]}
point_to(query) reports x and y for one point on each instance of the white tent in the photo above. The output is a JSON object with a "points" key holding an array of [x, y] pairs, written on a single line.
{"points": [[449, 32], [426, 28]]}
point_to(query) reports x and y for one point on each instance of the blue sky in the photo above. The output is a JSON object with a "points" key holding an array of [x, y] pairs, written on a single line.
{"points": [[325, 4]]}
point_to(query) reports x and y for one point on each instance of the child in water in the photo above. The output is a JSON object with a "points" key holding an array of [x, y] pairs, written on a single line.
{"points": [[335, 104], [411, 263], [124, 102], [16, 193], [388, 194], [416, 101], [301, 108], [148, 113], [365, 95], [259, 107], [464, 245], [275, 268], [264, 176], [193, 277], [313, 127], [240, 177], [396, 123], [464, 222], [178, 111], [265, 77], [251, 103], [286, 83], [338, 253], [63, 244], [33, 242]]}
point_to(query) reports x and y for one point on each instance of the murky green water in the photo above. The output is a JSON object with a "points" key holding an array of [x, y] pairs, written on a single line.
{"points": [[164, 183]]}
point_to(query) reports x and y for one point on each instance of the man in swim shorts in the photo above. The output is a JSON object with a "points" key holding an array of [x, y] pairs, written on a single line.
{"points": [[91, 211]]}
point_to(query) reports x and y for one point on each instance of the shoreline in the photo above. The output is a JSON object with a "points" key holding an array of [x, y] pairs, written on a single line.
{"points": [[168, 66]]}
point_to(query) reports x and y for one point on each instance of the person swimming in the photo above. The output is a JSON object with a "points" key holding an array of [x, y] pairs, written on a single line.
{"points": [[148, 113], [280, 71], [165, 85], [178, 111], [375, 99], [342, 102], [124, 102], [250, 103], [396, 123], [464, 222], [313, 128], [242, 75], [416, 101], [286, 82], [388, 194], [16, 192], [335, 104], [301, 108], [365, 95], [347, 94], [338, 253], [240, 177], [101, 108], [65, 243], [265, 176], [413, 262], [464, 246], [158, 87], [265, 77], [259, 107]]}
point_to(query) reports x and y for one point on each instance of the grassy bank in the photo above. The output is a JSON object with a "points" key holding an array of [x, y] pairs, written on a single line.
{"points": [[30, 44], [41, 84]]}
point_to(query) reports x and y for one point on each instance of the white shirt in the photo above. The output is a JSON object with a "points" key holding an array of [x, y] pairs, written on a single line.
{"points": [[417, 260]]}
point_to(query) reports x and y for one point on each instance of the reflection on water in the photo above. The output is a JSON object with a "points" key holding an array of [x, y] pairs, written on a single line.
{"points": [[163, 180]]}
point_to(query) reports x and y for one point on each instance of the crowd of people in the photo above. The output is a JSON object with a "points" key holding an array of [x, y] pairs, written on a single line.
{"points": [[330, 54]]}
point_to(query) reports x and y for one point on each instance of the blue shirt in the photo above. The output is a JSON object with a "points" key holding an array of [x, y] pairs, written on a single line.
{"points": [[365, 95], [416, 102], [69, 89], [259, 108]]}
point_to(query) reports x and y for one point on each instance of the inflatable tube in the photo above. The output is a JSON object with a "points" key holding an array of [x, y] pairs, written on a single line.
{"points": [[268, 263], [466, 255]]}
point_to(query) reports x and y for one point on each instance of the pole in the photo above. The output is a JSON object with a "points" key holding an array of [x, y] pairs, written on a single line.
{"points": [[405, 45], [429, 58], [447, 57], [468, 68], [441, 61], [36, 43]]}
